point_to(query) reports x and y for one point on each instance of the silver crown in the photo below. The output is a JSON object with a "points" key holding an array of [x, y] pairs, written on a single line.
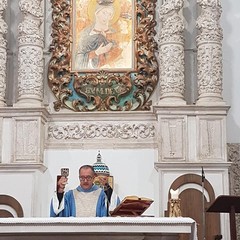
{"points": [[105, 2]]}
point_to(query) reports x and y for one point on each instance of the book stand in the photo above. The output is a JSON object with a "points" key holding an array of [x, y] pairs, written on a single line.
{"points": [[227, 204], [131, 207]]}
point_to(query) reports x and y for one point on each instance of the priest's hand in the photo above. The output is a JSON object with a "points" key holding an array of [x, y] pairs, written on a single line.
{"points": [[61, 184]]}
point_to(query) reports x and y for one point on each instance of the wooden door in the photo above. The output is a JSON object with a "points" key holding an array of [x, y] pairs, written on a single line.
{"points": [[191, 206]]}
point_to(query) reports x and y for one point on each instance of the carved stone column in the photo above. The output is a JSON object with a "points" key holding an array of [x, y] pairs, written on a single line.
{"points": [[171, 54], [209, 53], [3, 53], [30, 55]]}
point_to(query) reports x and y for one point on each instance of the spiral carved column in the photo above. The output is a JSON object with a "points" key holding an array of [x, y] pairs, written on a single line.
{"points": [[3, 54], [30, 54], [171, 54], [209, 53]]}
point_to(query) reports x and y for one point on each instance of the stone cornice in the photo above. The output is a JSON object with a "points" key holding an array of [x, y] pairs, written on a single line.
{"points": [[104, 116], [23, 112], [192, 166], [22, 167], [191, 110]]}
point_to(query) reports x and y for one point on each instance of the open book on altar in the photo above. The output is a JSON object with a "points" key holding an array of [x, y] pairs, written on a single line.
{"points": [[132, 206]]}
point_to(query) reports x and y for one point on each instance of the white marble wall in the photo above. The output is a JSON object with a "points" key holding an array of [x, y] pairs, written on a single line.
{"points": [[231, 61]]}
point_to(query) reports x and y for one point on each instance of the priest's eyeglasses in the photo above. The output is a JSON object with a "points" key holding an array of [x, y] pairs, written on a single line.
{"points": [[87, 178]]}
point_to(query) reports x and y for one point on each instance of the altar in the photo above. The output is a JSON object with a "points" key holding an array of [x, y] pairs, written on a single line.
{"points": [[106, 228]]}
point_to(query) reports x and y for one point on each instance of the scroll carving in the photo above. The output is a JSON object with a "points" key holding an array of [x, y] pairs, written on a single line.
{"points": [[91, 131]]}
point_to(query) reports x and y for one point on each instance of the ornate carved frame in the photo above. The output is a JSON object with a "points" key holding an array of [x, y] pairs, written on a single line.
{"points": [[126, 90]]}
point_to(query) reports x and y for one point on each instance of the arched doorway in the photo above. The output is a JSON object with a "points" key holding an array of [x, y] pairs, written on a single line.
{"points": [[192, 192], [11, 204]]}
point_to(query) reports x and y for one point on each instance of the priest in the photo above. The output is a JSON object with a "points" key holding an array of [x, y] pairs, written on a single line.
{"points": [[87, 200]]}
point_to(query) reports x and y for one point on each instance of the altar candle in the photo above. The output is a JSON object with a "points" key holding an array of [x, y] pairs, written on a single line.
{"points": [[174, 194]]}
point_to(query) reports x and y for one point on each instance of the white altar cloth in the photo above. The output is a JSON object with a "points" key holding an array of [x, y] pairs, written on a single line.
{"points": [[100, 225]]}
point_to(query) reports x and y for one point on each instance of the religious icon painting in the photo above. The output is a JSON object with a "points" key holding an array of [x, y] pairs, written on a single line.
{"points": [[103, 55], [103, 35]]}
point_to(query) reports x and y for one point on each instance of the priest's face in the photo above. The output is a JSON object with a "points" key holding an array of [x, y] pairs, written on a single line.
{"points": [[86, 177]]}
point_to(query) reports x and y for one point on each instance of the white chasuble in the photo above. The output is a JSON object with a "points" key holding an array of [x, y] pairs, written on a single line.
{"points": [[86, 202]]}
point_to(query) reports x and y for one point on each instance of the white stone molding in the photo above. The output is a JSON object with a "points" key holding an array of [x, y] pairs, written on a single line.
{"points": [[98, 133], [28, 139], [3, 53], [122, 131], [173, 138], [191, 133], [30, 55], [209, 53], [212, 138], [105, 130], [171, 54], [114, 228], [23, 135]]}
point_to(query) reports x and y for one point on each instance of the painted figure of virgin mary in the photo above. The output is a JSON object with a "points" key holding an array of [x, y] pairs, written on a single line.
{"points": [[99, 43]]}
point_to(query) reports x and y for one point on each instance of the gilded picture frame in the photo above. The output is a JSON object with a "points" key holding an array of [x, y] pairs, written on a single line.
{"points": [[103, 55]]}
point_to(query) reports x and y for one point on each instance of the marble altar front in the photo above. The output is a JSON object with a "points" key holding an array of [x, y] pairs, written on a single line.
{"points": [[107, 228]]}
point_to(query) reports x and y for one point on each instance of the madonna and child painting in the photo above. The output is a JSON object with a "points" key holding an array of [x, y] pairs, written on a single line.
{"points": [[102, 35]]}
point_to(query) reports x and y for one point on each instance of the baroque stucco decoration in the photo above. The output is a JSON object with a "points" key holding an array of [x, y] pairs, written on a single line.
{"points": [[76, 131], [103, 90]]}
